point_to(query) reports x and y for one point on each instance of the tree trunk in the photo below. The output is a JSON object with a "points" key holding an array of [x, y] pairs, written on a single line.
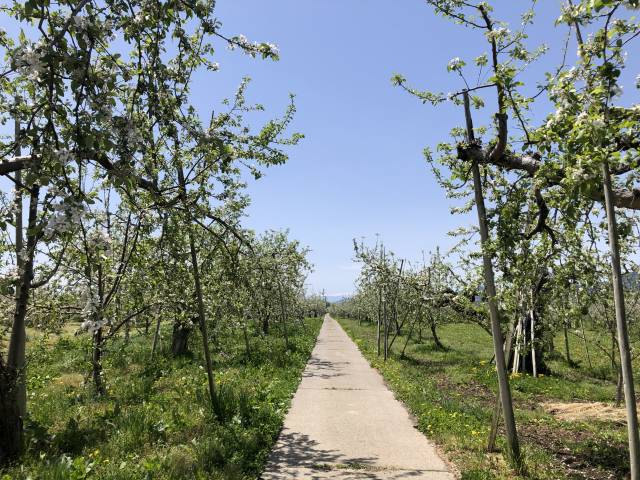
{"points": [[436, 339], [156, 338], [200, 298], [530, 353], [21, 390], [490, 291], [433, 325], [534, 364], [10, 418], [621, 324], [379, 319], [180, 339], [247, 345], [417, 319], [97, 338], [386, 328], [96, 362], [283, 315], [16, 364], [619, 388], [567, 350], [17, 342], [203, 325]]}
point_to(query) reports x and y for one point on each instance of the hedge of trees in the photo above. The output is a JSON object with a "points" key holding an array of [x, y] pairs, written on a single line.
{"points": [[125, 203], [555, 200]]}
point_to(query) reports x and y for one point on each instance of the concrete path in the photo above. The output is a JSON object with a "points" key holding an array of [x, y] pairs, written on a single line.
{"points": [[344, 423]]}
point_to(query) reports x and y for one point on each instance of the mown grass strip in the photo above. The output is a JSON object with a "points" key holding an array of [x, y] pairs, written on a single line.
{"points": [[451, 394]]}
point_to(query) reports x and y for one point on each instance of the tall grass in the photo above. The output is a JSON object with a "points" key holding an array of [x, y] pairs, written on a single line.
{"points": [[156, 421]]}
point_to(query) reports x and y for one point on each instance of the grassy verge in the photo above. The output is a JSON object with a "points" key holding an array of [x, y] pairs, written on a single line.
{"points": [[452, 392], [155, 422]]}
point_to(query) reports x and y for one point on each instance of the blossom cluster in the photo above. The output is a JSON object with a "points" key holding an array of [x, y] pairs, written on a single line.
{"points": [[28, 61], [92, 321], [253, 48], [455, 64], [66, 215], [498, 34], [98, 240], [13, 275]]}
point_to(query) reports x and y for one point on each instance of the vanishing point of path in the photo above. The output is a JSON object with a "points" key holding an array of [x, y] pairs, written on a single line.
{"points": [[344, 423]]}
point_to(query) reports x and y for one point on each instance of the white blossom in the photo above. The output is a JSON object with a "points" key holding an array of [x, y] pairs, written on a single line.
{"points": [[616, 91], [99, 240], [498, 33], [29, 62], [13, 274], [64, 156], [66, 215], [81, 22], [90, 313], [598, 124], [92, 326], [455, 64], [133, 135], [252, 48]]}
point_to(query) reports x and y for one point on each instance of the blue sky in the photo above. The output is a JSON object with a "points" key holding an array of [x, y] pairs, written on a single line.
{"points": [[360, 170]]}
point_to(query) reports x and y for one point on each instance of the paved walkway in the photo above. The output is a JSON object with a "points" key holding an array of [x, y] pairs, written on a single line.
{"points": [[344, 423]]}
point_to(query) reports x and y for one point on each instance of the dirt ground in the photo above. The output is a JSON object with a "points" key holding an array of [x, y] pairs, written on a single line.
{"points": [[581, 411]]}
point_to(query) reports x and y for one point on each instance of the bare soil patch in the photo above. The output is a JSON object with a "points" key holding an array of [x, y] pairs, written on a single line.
{"points": [[578, 453], [581, 411]]}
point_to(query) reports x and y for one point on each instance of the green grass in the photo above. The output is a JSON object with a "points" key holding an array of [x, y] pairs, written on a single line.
{"points": [[156, 421], [451, 393]]}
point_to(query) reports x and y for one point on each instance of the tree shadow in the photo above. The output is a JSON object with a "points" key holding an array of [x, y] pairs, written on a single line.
{"points": [[429, 365], [325, 369], [296, 451]]}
